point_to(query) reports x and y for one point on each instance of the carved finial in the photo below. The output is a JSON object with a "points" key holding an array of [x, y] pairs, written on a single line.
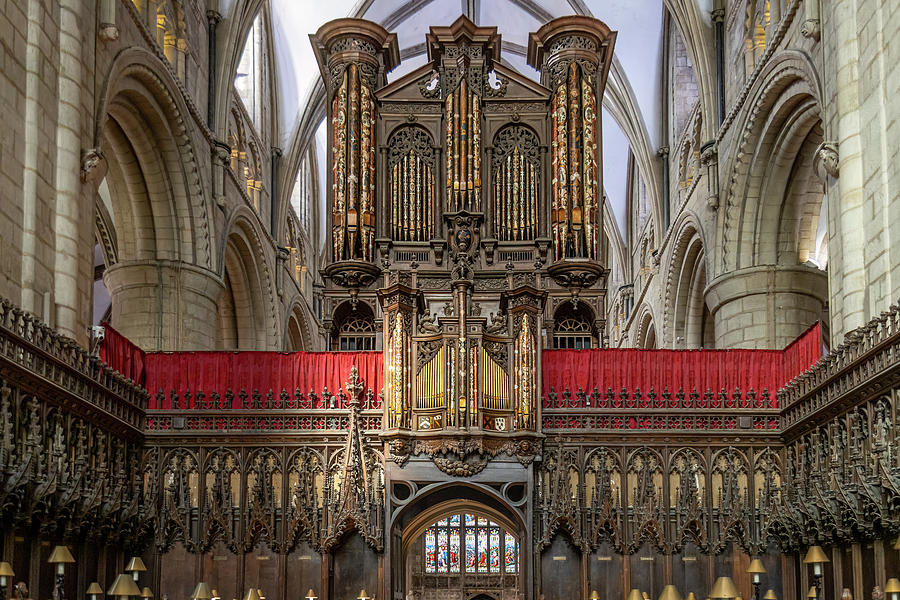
{"points": [[354, 385]]}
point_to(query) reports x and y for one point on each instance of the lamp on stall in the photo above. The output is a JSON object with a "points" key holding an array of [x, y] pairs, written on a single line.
{"points": [[670, 592], [124, 586], [756, 571], [311, 595], [363, 595], [135, 567], [635, 594], [146, 594], [691, 596], [594, 595], [723, 589], [202, 592], [892, 589], [770, 595], [94, 591], [6, 571], [261, 595], [60, 557], [815, 556], [215, 595], [812, 593], [252, 594]]}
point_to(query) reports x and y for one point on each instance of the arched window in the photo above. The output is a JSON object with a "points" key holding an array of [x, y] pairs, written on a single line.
{"points": [[411, 166], [251, 73], [516, 170], [572, 327], [354, 328], [469, 543], [302, 194]]}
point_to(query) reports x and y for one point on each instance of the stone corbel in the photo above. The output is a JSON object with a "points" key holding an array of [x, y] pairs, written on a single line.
{"points": [[108, 30], [221, 158], [812, 29], [282, 254], [93, 166], [709, 157], [826, 161]]}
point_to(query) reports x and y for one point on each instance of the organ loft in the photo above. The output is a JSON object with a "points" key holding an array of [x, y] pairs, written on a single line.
{"points": [[430, 300]]}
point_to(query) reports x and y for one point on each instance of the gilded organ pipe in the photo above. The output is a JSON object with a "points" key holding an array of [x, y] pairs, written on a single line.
{"points": [[411, 166], [515, 167], [462, 112]]}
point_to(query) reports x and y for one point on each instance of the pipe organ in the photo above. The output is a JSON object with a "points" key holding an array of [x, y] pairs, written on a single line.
{"points": [[465, 202]]}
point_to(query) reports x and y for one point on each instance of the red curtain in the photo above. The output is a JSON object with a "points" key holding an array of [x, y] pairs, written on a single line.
{"points": [[704, 370], [118, 352], [263, 371]]}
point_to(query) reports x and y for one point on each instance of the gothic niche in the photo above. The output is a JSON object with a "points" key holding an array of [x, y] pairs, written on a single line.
{"points": [[411, 164], [516, 166]]}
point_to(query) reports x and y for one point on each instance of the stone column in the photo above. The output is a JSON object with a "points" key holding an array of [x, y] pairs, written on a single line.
{"points": [[766, 306], [165, 305]]}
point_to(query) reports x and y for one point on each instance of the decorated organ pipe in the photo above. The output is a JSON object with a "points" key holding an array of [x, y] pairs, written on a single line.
{"points": [[516, 167], [353, 56], [411, 165], [462, 116], [574, 66]]}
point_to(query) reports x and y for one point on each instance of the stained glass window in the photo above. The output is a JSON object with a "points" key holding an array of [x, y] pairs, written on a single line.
{"points": [[430, 559], [512, 555], [470, 543]]}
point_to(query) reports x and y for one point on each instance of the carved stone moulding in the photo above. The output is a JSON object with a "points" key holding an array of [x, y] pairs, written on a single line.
{"points": [[352, 273], [576, 274]]}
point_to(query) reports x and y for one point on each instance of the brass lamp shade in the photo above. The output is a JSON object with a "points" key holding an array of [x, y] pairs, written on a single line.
{"points": [[756, 566], [146, 593], [252, 594], [61, 554], [892, 586], [670, 592], [202, 592], [363, 595], [897, 544], [814, 555], [691, 596], [135, 564], [635, 594], [724, 588], [594, 595], [770, 595], [124, 585], [94, 589], [311, 595], [6, 570], [812, 592]]}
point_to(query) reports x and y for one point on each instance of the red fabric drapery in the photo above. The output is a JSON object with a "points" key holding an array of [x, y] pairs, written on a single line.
{"points": [[118, 352], [209, 372], [712, 370]]}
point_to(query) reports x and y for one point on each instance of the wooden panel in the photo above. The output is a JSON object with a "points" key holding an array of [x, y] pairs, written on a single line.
{"points": [[561, 571], [220, 568], [648, 571], [355, 567], [178, 573], [605, 573], [689, 571], [261, 571], [304, 571]]}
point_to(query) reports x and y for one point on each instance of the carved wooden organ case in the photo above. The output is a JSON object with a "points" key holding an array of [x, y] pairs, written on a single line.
{"points": [[461, 190]]}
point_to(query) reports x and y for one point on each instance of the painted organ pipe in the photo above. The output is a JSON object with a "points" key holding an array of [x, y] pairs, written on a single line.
{"points": [[411, 164], [494, 384], [524, 365], [574, 214], [431, 381], [462, 113], [353, 168], [516, 165], [397, 389]]}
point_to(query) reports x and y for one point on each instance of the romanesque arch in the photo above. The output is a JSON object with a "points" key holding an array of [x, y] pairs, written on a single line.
{"points": [[688, 319]]}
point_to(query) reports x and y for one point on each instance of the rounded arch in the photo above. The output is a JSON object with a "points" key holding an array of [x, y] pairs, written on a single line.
{"points": [[353, 327], [689, 323], [573, 326], [160, 208], [646, 333], [246, 310], [772, 190], [297, 337]]}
